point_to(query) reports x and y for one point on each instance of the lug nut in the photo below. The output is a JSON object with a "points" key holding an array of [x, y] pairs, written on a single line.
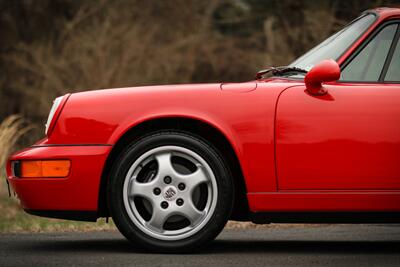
{"points": [[167, 180], [164, 204], [179, 202], [157, 191], [181, 186]]}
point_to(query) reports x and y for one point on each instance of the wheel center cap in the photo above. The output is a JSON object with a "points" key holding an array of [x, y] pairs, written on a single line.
{"points": [[170, 193]]}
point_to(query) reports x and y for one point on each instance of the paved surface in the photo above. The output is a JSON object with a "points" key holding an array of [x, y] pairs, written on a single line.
{"points": [[332, 245]]}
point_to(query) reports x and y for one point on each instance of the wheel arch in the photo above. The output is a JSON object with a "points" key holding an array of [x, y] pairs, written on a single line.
{"points": [[194, 126]]}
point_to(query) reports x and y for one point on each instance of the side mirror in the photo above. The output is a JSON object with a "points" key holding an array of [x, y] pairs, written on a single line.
{"points": [[325, 71]]}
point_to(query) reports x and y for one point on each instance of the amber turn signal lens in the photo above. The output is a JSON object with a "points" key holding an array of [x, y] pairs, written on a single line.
{"points": [[45, 168]]}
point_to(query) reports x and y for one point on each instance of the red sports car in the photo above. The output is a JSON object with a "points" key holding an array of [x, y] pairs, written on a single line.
{"points": [[315, 141]]}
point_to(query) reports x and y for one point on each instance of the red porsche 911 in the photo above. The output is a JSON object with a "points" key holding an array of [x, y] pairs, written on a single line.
{"points": [[315, 141]]}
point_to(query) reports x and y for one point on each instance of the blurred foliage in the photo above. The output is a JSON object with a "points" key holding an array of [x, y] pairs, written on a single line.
{"points": [[51, 47]]}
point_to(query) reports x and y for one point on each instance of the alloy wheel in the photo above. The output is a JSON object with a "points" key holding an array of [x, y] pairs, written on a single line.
{"points": [[170, 192]]}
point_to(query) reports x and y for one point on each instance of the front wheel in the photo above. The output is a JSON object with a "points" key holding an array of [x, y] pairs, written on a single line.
{"points": [[170, 192]]}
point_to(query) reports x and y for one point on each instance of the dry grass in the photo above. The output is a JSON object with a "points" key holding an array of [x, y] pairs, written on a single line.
{"points": [[11, 130]]}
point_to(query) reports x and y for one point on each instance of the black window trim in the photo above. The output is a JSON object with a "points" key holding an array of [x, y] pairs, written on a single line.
{"points": [[388, 57], [364, 14]]}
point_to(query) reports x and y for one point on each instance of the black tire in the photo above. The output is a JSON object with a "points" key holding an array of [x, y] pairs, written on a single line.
{"points": [[219, 168]]}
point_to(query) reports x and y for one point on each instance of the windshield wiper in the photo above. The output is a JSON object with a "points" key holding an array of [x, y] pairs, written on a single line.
{"points": [[279, 71]]}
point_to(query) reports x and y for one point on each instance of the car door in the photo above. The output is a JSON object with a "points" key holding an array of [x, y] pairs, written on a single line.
{"points": [[348, 139]]}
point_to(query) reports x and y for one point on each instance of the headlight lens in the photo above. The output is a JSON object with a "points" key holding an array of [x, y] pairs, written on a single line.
{"points": [[53, 110]]}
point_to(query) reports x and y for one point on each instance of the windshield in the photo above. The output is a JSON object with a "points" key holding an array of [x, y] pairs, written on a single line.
{"points": [[336, 45]]}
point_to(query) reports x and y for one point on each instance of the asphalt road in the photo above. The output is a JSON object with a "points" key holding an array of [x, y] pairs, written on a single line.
{"points": [[316, 245]]}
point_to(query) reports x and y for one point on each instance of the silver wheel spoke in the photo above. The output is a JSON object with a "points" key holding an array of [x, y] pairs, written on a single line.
{"points": [[165, 167], [192, 213], [194, 179], [158, 219], [141, 189]]}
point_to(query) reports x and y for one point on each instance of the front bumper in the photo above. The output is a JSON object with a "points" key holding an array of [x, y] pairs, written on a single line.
{"points": [[79, 191]]}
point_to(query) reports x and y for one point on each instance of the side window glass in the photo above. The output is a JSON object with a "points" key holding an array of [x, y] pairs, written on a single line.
{"points": [[393, 73], [367, 65]]}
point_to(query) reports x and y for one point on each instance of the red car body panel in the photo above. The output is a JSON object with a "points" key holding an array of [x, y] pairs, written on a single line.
{"points": [[325, 201], [297, 152], [78, 191], [348, 139]]}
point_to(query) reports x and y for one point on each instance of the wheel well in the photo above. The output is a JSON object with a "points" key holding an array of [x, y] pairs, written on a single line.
{"points": [[203, 130]]}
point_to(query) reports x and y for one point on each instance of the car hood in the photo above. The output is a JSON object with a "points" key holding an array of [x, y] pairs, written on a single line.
{"points": [[176, 88]]}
